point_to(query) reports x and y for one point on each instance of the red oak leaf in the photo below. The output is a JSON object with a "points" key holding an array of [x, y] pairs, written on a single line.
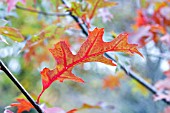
{"points": [[92, 50], [23, 105], [12, 3]]}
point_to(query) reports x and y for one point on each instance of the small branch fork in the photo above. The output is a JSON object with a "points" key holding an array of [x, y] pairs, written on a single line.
{"points": [[20, 87], [127, 71]]}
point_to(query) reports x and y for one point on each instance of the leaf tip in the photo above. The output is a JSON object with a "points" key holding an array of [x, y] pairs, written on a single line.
{"points": [[80, 80], [134, 46]]}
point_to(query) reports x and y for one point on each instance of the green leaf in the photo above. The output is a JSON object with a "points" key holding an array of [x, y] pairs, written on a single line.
{"points": [[143, 3], [11, 33], [45, 33], [76, 8]]}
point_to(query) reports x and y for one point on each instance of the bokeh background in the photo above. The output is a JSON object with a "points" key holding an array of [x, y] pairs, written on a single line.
{"points": [[26, 63]]}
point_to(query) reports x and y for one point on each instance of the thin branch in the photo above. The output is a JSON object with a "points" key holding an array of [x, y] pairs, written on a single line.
{"points": [[41, 12], [20, 87], [82, 26], [127, 71]]}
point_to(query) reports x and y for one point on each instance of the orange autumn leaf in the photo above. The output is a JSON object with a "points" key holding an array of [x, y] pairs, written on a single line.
{"points": [[23, 105], [92, 50], [35, 52], [72, 111], [113, 81], [141, 19], [85, 106], [158, 29], [88, 106]]}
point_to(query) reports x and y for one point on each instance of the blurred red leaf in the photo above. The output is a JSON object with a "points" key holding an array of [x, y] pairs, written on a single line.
{"points": [[140, 36], [161, 15], [145, 34], [141, 18], [32, 53], [72, 111], [113, 81], [23, 105]]}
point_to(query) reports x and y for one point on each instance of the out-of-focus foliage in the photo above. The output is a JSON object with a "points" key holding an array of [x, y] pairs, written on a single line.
{"points": [[26, 54], [12, 33], [23, 105], [113, 81]]}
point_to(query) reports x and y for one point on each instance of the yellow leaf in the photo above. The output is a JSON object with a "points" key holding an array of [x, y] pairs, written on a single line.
{"points": [[138, 88]]}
